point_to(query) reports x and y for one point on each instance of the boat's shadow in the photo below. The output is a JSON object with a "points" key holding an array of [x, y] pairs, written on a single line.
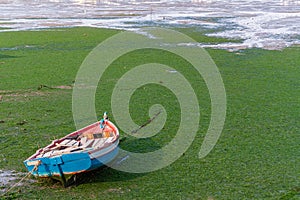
{"points": [[108, 174], [102, 174]]}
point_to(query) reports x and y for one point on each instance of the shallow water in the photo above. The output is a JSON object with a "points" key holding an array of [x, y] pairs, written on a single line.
{"points": [[269, 24], [8, 178]]}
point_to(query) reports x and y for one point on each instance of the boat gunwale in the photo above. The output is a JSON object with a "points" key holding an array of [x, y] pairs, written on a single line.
{"points": [[75, 133]]}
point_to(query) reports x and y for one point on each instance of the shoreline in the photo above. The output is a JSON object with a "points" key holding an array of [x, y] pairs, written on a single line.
{"points": [[266, 24], [233, 45]]}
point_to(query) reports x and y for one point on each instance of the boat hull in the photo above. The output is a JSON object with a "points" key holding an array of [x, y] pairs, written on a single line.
{"points": [[68, 164], [64, 166]]}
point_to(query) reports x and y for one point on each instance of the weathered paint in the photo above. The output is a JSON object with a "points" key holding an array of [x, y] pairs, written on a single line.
{"points": [[62, 167]]}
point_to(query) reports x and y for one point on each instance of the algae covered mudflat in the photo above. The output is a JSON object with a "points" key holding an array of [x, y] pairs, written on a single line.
{"points": [[255, 157]]}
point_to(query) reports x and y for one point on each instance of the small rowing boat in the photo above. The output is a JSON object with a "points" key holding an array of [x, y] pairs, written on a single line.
{"points": [[84, 150]]}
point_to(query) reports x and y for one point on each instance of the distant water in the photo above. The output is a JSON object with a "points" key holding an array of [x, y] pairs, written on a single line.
{"points": [[269, 24]]}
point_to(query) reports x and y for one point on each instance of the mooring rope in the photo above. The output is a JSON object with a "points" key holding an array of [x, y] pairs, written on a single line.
{"points": [[22, 179], [148, 122]]}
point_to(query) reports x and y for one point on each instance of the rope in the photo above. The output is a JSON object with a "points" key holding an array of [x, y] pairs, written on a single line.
{"points": [[145, 124], [22, 179]]}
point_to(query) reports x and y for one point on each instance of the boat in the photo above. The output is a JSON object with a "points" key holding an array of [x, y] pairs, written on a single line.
{"points": [[81, 151]]}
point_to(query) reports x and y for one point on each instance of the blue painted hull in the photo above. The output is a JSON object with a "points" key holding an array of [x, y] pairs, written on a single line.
{"points": [[68, 164], [65, 165]]}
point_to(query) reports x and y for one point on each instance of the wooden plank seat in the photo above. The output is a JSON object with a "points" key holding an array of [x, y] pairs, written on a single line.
{"points": [[73, 145]]}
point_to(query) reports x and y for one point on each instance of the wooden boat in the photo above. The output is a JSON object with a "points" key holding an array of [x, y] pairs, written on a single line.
{"points": [[86, 149]]}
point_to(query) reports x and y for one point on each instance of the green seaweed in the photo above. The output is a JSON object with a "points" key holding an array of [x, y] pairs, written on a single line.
{"points": [[255, 158]]}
